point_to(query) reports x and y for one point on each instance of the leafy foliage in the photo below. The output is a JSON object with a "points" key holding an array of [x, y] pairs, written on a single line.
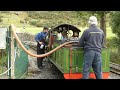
{"points": [[1, 19], [33, 21], [21, 21], [115, 23], [52, 18]]}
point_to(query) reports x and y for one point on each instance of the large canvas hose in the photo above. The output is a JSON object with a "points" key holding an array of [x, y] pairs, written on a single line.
{"points": [[13, 28]]}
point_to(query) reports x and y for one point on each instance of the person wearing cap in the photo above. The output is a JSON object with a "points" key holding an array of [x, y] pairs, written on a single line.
{"points": [[92, 41], [41, 42]]}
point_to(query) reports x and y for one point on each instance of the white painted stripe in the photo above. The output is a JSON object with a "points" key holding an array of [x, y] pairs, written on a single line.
{"points": [[96, 32]]}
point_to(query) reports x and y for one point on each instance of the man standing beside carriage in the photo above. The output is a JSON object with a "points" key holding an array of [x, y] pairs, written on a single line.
{"points": [[92, 40]]}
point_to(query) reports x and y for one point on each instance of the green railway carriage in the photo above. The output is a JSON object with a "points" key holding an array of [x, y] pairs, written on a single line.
{"points": [[69, 59]]}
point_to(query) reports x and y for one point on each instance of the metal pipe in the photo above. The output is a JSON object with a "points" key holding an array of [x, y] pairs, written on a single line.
{"points": [[13, 28]]}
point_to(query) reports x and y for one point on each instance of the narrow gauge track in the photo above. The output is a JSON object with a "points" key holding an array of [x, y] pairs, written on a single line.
{"points": [[115, 68]]}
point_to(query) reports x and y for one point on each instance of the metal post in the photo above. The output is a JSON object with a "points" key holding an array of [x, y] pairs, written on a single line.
{"points": [[2, 59], [7, 46], [9, 51]]}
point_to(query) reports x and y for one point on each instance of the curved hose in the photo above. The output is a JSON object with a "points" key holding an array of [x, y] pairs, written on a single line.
{"points": [[35, 55]]}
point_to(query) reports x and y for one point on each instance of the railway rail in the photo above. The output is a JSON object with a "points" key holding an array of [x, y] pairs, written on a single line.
{"points": [[115, 68]]}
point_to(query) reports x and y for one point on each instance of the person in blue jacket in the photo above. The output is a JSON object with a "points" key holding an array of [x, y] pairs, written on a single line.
{"points": [[41, 42], [92, 41]]}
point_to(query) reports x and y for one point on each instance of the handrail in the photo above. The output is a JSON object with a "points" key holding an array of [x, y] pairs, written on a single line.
{"points": [[13, 28]]}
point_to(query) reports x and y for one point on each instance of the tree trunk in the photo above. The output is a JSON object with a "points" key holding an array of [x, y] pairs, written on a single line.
{"points": [[103, 24]]}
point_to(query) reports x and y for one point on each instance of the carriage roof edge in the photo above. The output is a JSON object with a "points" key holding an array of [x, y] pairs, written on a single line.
{"points": [[67, 26]]}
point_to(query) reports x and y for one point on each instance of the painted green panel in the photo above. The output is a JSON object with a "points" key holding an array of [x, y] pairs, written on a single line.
{"points": [[77, 60], [54, 56], [80, 59], [66, 61], [63, 60], [57, 58], [21, 63]]}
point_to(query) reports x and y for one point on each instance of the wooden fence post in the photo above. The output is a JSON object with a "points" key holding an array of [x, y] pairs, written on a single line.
{"points": [[12, 55]]}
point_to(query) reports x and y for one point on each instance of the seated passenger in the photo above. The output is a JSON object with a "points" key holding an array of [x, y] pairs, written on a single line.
{"points": [[59, 36], [64, 36], [75, 36]]}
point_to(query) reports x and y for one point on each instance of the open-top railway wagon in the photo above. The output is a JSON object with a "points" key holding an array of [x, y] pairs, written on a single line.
{"points": [[69, 59]]}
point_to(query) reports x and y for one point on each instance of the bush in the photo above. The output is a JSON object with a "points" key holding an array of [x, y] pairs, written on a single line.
{"points": [[113, 45], [52, 18], [27, 19], [112, 42], [44, 23], [21, 21], [3, 60], [115, 57], [39, 24], [33, 22], [1, 18], [5, 12]]}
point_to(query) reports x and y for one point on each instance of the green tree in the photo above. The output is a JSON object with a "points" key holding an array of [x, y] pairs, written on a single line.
{"points": [[83, 17], [115, 24]]}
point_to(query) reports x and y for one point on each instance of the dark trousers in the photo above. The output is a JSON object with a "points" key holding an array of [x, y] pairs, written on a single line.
{"points": [[92, 59], [40, 51]]}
